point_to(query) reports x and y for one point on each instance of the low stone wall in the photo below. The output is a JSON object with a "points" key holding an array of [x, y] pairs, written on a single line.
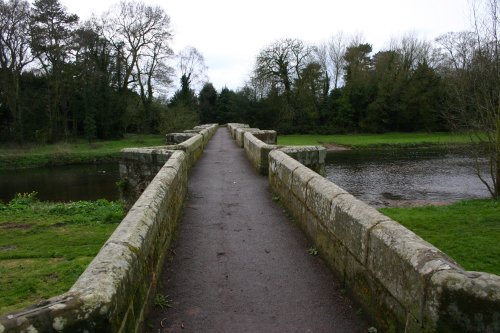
{"points": [[115, 289], [193, 146], [111, 295], [138, 166], [258, 152], [403, 282], [176, 138], [233, 126], [267, 136], [240, 131]]}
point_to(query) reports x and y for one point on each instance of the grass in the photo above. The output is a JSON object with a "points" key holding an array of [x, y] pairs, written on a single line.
{"points": [[29, 156], [468, 231], [45, 247], [376, 140]]}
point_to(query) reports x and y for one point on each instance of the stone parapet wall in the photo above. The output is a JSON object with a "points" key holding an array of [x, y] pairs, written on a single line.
{"points": [[138, 166], [258, 152], [233, 126], [112, 293], [311, 156], [240, 131], [403, 282], [116, 288], [176, 138], [194, 144], [267, 136]]}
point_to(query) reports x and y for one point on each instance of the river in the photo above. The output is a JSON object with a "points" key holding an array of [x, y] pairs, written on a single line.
{"points": [[62, 183], [389, 177], [402, 177]]}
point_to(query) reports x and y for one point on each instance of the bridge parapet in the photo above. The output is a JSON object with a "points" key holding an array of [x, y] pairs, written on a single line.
{"points": [[403, 282], [258, 145], [115, 289], [233, 126]]}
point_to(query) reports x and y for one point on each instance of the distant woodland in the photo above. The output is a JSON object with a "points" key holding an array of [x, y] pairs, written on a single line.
{"points": [[61, 79]]}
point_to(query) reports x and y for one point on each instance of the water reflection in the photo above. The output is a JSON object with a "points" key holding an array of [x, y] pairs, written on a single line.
{"points": [[406, 176], [62, 183]]}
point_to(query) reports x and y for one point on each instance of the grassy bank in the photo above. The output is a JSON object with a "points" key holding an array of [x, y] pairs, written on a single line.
{"points": [[376, 140], [44, 247], [468, 231], [29, 156]]}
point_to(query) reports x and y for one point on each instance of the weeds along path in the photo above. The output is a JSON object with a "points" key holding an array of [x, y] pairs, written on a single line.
{"points": [[239, 264]]}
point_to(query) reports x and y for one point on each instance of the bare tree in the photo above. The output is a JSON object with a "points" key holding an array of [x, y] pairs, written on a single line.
{"points": [[473, 73], [15, 55], [413, 51], [282, 63], [191, 64], [141, 35], [330, 55]]}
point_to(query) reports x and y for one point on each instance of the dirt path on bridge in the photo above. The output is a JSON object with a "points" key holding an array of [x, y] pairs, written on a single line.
{"points": [[239, 264]]}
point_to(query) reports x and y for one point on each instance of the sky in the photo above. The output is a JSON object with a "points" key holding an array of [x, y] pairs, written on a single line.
{"points": [[230, 33]]}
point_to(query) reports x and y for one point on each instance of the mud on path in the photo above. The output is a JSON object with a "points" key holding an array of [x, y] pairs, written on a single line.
{"points": [[239, 264]]}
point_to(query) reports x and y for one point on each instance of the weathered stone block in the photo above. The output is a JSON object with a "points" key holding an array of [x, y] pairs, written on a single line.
{"points": [[267, 136], [300, 178], [351, 220], [389, 314], [233, 126], [403, 263], [468, 301], [240, 131], [176, 138], [284, 170], [320, 193], [312, 157]]}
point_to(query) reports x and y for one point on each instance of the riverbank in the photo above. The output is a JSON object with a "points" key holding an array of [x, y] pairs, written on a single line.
{"points": [[468, 231], [44, 246], [79, 152], [385, 140]]}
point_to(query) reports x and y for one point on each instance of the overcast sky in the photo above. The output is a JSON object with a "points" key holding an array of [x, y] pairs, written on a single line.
{"points": [[230, 33]]}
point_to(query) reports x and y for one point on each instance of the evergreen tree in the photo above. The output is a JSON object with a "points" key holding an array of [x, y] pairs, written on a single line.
{"points": [[207, 100]]}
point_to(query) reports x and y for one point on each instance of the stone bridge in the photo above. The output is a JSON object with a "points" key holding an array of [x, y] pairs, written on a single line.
{"points": [[250, 223]]}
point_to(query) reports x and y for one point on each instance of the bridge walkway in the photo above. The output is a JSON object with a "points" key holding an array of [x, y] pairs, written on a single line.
{"points": [[239, 264]]}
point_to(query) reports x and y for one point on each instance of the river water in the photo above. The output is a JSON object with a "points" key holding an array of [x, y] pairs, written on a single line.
{"points": [[379, 177], [406, 177], [62, 183]]}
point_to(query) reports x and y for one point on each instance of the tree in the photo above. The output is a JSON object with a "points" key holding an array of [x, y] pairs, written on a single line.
{"points": [[474, 85], [330, 56], [207, 100], [94, 97], [278, 68], [15, 55], [140, 35], [51, 43], [359, 87], [192, 66]]}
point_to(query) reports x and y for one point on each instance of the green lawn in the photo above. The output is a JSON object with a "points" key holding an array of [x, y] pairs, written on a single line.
{"points": [[44, 247], [376, 140], [28, 156], [468, 231]]}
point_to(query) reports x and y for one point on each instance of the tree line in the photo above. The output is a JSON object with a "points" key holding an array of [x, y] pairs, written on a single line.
{"points": [[341, 86], [61, 78]]}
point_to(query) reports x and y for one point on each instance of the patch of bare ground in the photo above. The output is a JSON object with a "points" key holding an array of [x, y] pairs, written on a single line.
{"points": [[334, 147]]}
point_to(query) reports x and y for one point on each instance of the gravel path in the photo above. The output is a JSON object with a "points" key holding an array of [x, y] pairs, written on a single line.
{"points": [[239, 264]]}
